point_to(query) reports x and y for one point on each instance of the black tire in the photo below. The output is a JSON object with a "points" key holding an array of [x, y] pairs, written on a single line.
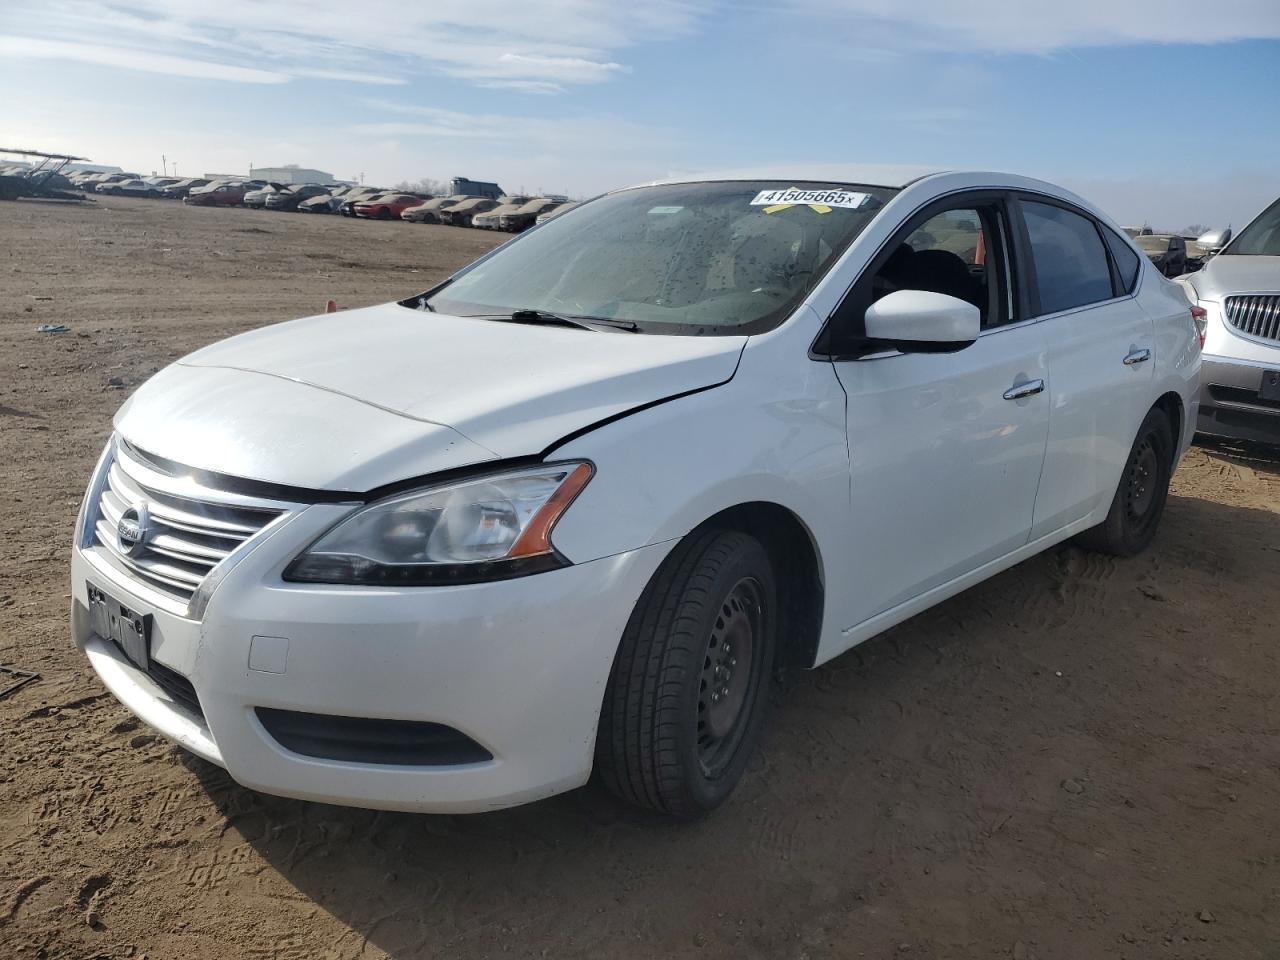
{"points": [[384, 214], [1139, 500], [676, 731]]}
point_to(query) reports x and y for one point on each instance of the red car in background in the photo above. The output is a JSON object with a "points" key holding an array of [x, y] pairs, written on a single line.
{"points": [[221, 195], [387, 206]]}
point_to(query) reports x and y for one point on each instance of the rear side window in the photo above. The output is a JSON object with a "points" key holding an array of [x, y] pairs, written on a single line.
{"points": [[1126, 261], [1071, 264]]}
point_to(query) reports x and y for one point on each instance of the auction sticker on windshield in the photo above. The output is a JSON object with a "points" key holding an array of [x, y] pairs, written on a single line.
{"points": [[821, 201]]}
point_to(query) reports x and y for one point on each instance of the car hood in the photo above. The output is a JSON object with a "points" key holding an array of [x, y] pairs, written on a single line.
{"points": [[1226, 274], [358, 399]]}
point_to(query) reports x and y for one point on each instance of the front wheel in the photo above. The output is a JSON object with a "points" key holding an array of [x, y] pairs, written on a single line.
{"points": [[1139, 501], [688, 690]]}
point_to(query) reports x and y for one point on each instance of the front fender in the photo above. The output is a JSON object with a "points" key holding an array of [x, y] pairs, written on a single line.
{"points": [[774, 433]]}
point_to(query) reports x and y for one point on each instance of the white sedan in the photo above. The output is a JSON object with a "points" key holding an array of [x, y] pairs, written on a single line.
{"points": [[130, 188], [569, 509]]}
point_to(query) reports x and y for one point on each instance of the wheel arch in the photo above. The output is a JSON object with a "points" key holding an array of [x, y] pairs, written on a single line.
{"points": [[798, 569], [1171, 404]]}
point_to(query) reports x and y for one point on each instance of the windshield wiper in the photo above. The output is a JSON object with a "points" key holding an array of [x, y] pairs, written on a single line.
{"points": [[547, 319]]}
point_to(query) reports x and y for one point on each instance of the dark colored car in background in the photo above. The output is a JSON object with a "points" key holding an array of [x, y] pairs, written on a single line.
{"points": [[179, 190], [1167, 251], [218, 195], [290, 197]]}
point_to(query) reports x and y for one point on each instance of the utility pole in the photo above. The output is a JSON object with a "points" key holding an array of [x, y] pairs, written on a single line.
{"points": [[164, 168]]}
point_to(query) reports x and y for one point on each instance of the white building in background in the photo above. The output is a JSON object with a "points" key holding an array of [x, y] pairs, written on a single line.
{"points": [[96, 167], [290, 173]]}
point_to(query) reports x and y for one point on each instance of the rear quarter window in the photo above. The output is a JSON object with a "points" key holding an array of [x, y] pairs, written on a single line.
{"points": [[1126, 261]]}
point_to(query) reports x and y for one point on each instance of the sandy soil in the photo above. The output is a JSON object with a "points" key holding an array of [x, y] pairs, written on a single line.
{"points": [[1079, 758]]}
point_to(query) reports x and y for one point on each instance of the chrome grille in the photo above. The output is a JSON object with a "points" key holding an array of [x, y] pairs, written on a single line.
{"points": [[191, 528], [1257, 314]]}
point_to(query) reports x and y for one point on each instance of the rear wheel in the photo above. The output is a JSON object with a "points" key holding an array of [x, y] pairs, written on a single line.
{"points": [[686, 697], [384, 214], [1139, 501]]}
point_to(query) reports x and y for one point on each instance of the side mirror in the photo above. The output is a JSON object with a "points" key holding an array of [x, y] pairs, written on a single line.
{"points": [[917, 321], [1214, 240]]}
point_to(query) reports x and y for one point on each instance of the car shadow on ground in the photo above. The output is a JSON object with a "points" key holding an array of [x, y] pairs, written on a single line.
{"points": [[927, 770], [1260, 456]]}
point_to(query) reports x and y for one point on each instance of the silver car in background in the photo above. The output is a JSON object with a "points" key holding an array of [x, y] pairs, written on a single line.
{"points": [[1238, 294]]}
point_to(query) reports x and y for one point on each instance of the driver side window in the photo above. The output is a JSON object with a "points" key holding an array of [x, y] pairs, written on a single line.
{"points": [[961, 251], [948, 253]]}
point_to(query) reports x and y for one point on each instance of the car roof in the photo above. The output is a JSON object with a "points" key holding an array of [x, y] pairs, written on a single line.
{"points": [[941, 180], [874, 175]]}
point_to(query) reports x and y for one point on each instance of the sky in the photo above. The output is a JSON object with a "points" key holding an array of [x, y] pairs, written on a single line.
{"points": [[1160, 112]]}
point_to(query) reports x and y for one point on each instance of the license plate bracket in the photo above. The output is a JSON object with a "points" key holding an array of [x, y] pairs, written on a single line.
{"points": [[128, 629], [1269, 388]]}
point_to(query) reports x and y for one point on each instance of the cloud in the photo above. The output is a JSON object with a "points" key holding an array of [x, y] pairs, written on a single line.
{"points": [[524, 86], [348, 76], [173, 66], [579, 131], [1020, 26], [509, 44], [554, 45]]}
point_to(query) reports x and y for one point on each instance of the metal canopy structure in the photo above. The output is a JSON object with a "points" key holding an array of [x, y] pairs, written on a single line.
{"points": [[31, 183], [66, 158]]}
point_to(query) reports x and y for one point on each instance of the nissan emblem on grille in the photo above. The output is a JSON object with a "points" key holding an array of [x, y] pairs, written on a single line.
{"points": [[132, 530]]}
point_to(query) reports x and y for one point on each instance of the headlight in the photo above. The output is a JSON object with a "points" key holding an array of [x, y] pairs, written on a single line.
{"points": [[490, 528]]}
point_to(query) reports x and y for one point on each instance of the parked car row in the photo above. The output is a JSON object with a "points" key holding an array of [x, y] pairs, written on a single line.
{"points": [[508, 213], [487, 208]]}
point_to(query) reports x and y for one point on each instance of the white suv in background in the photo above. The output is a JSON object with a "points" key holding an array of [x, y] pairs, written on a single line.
{"points": [[570, 508], [1237, 295]]}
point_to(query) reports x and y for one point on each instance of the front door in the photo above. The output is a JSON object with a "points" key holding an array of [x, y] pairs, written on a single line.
{"points": [[945, 448]]}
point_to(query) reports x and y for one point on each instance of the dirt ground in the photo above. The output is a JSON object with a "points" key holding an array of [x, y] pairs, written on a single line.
{"points": [[1079, 758]]}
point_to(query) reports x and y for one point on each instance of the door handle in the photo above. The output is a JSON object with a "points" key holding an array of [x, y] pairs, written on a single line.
{"points": [[1021, 390], [1137, 356]]}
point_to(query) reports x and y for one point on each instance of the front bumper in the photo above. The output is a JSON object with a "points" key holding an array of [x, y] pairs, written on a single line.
{"points": [[519, 666], [1229, 401]]}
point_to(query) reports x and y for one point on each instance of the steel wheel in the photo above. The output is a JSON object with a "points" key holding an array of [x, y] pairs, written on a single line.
{"points": [[1140, 486], [727, 674]]}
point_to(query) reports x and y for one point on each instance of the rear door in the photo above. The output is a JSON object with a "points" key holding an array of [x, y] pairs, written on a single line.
{"points": [[945, 448], [1099, 343]]}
